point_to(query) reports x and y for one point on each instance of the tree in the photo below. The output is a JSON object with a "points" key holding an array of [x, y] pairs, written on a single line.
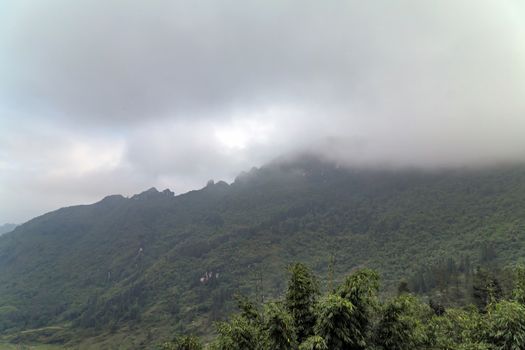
{"points": [[485, 289], [239, 333], [336, 323], [360, 289], [248, 308], [436, 306], [400, 325], [507, 325], [301, 300], [314, 342], [518, 292], [188, 342], [458, 329], [402, 288], [352, 318], [278, 326], [243, 331]]}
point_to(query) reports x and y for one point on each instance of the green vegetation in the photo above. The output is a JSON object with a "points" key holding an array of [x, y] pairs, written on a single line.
{"points": [[353, 317], [8, 346], [134, 271]]}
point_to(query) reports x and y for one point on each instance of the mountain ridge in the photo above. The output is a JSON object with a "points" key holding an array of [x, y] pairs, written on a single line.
{"points": [[139, 261], [6, 228]]}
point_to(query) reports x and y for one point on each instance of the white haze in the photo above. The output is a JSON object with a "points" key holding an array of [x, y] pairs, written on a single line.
{"points": [[107, 96]]}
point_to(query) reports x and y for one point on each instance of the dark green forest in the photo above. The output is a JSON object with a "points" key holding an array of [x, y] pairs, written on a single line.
{"points": [[136, 271], [352, 316]]}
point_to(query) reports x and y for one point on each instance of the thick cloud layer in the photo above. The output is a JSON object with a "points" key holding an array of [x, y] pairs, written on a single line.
{"points": [[109, 96]]}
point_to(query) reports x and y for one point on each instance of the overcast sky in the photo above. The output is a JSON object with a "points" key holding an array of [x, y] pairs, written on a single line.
{"points": [[104, 96]]}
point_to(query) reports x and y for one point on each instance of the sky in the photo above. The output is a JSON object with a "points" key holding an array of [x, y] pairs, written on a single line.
{"points": [[100, 97]]}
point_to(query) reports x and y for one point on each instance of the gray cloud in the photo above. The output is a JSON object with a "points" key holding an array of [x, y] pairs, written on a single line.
{"points": [[98, 97]]}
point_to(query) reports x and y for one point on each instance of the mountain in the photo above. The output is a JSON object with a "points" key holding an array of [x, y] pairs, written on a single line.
{"points": [[5, 228], [134, 271]]}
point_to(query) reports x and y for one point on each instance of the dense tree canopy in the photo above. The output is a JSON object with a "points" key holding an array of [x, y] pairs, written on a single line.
{"points": [[354, 318]]}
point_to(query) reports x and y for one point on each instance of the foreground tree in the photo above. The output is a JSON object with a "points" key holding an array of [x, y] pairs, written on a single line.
{"points": [[400, 327], [458, 329], [507, 325], [335, 323], [518, 293], [353, 318], [187, 342], [486, 289], [238, 333], [279, 328], [301, 300], [360, 289], [314, 342]]}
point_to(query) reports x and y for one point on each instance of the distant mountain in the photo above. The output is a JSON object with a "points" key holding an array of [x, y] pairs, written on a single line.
{"points": [[133, 271], [5, 228]]}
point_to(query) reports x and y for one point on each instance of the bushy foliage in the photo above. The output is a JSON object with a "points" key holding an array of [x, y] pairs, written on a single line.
{"points": [[401, 325], [458, 329], [506, 320], [518, 292], [301, 298], [279, 328], [486, 289], [360, 289], [238, 333], [335, 324], [354, 318], [183, 343], [314, 342]]}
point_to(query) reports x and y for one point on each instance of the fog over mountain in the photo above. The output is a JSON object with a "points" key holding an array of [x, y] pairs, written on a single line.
{"points": [[6, 228], [107, 96]]}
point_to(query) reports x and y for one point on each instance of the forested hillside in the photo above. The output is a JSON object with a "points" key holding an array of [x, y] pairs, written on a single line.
{"points": [[137, 270], [351, 316]]}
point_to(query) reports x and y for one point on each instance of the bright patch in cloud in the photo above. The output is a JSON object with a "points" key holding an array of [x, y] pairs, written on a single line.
{"points": [[83, 158], [244, 133]]}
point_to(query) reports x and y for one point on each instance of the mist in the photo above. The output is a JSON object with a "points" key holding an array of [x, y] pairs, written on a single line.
{"points": [[101, 97]]}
